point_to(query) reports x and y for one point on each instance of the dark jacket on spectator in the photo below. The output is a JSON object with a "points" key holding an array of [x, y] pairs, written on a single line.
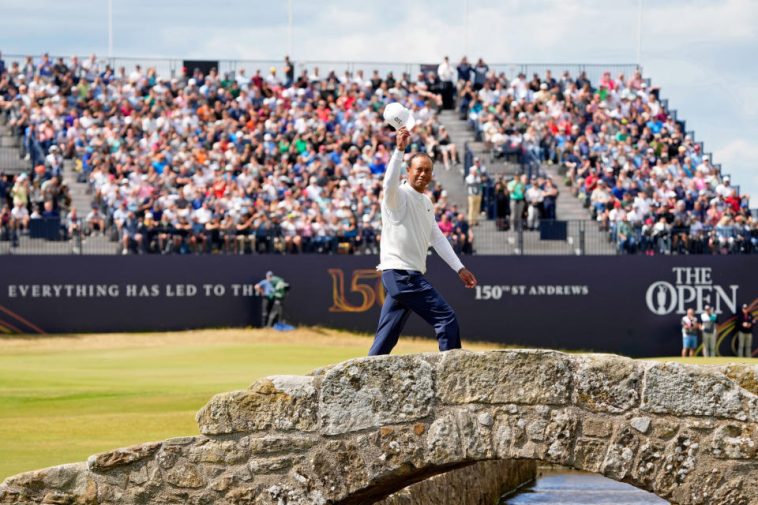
{"points": [[744, 318]]}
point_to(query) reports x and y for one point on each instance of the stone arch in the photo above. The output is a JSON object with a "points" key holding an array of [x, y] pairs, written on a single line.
{"points": [[357, 431]]}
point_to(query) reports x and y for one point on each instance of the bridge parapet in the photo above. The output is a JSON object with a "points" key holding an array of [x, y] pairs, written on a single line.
{"points": [[363, 429]]}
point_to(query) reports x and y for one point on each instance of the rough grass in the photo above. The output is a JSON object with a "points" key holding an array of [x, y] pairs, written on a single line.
{"points": [[65, 398]]}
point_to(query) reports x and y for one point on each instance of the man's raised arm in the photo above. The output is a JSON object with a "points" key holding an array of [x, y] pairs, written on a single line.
{"points": [[391, 184]]}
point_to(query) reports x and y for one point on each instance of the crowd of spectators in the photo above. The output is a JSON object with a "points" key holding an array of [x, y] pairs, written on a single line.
{"points": [[237, 163], [624, 155], [292, 162]]}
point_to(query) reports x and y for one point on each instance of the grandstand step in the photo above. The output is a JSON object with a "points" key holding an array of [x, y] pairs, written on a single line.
{"points": [[452, 179], [9, 141], [11, 161], [78, 190], [452, 182], [567, 206], [463, 129]]}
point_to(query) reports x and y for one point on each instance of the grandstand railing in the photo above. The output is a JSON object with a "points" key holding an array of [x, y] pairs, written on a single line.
{"points": [[173, 67], [560, 238]]}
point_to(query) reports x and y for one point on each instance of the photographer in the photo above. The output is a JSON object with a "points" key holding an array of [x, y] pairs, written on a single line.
{"points": [[273, 289], [689, 333]]}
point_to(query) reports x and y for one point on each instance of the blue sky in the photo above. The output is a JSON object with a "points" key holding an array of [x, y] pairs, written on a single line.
{"points": [[702, 53]]}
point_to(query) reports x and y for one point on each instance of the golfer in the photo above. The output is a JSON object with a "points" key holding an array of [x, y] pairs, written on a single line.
{"points": [[408, 228]]}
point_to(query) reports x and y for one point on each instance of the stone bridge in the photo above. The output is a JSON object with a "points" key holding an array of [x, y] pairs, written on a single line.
{"points": [[358, 431]]}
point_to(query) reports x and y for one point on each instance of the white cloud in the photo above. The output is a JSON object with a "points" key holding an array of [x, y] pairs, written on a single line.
{"points": [[701, 20], [740, 158]]}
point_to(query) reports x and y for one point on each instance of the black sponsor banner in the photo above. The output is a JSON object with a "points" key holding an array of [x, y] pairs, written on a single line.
{"points": [[628, 305]]}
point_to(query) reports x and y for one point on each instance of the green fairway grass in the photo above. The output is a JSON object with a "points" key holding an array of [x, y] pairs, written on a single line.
{"points": [[63, 399]]}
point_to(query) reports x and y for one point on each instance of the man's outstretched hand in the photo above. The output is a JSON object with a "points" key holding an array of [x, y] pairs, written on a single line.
{"points": [[402, 139], [467, 277]]}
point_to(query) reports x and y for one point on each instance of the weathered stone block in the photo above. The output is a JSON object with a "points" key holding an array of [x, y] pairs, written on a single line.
{"points": [[275, 403], [517, 377], [138, 476], [168, 455], [522, 446], [280, 444], [502, 435], [641, 424], [746, 376], [535, 430], [596, 427], [679, 461], [185, 475], [391, 449], [589, 454], [228, 452], [671, 388], [338, 466], [607, 383], [665, 429], [732, 441], [370, 392], [560, 434], [269, 465], [618, 461], [476, 437], [443, 441], [648, 462], [120, 457]]}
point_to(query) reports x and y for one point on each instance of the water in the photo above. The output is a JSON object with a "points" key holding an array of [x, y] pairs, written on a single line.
{"points": [[568, 487]]}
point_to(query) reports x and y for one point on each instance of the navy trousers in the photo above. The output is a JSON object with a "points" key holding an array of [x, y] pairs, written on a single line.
{"points": [[408, 291]]}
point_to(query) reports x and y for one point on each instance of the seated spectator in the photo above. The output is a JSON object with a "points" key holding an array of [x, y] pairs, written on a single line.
{"points": [[49, 211], [73, 224], [626, 239], [94, 221], [7, 226], [131, 238], [20, 216]]}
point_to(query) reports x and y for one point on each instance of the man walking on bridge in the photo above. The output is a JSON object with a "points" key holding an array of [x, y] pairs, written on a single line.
{"points": [[408, 228]]}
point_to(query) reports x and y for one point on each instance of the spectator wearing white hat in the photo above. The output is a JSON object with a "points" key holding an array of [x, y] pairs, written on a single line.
{"points": [[724, 188]]}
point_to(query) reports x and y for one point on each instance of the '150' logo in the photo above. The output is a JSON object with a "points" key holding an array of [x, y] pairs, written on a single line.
{"points": [[366, 284]]}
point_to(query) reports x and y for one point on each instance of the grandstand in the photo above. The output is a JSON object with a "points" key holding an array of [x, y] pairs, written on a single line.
{"points": [[129, 157]]}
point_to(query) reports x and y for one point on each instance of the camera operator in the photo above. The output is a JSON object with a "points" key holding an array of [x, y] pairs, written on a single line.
{"points": [[273, 289]]}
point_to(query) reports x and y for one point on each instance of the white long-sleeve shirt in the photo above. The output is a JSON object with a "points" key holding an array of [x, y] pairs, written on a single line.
{"points": [[409, 226]]}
